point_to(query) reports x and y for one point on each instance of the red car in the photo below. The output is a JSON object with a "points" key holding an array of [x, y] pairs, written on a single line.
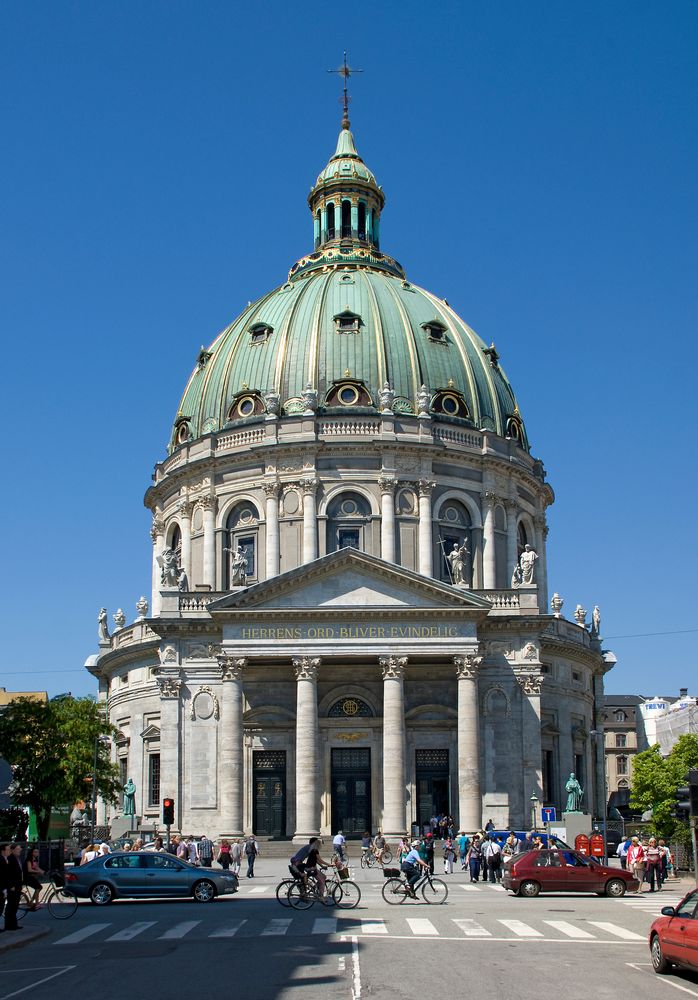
{"points": [[674, 936], [564, 870]]}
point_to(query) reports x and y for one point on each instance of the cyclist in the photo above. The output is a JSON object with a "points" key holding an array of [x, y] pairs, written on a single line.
{"points": [[379, 846], [366, 844], [338, 844], [308, 860], [411, 865]]}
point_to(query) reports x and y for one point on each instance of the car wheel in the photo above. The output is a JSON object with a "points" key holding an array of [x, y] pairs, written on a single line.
{"points": [[615, 887], [659, 963], [101, 894], [529, 889], [204, 891]]}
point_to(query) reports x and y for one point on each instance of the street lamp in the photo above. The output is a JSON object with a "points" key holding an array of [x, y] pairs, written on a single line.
{"points": [[534, 813], [595, 734]]}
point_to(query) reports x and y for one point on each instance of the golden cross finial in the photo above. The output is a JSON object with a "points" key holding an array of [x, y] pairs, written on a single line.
{"points": [[346, 71]]}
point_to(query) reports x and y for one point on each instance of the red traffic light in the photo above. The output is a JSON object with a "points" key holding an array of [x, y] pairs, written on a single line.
{"points": [[168, 811]]}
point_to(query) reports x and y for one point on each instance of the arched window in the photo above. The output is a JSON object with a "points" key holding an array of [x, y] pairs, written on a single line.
{"points": [[521, 538], [621, 765], [318, 228], [348, 708], [453, 530], [330, 221], [242, 532], [347, 518], [622, 783], [346, 218], [621, 716], [176, 543], [362, 220]]}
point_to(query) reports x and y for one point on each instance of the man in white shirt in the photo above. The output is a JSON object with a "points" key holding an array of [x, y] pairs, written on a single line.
{"points": [[338, 844], [492, 853]]}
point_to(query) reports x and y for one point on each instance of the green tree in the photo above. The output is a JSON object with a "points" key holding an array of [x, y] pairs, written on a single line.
{"points": [[50, 747], [656, 780]]}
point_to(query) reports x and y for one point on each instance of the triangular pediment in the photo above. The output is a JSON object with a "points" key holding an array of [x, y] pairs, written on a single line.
{"points": [[349, 579], [151, 732]]}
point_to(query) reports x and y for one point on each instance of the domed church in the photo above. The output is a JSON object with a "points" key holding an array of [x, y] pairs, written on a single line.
{"points": [[349, 625]]}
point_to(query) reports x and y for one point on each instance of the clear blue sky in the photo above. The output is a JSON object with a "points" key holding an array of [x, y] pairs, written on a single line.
{"points": [[540, 165]]}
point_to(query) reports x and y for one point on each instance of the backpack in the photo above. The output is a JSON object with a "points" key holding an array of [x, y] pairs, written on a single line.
{"points": [[250, 848]]}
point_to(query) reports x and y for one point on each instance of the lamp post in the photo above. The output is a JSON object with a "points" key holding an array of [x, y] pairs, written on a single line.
{"points": [[534, 814], [595, 734]]}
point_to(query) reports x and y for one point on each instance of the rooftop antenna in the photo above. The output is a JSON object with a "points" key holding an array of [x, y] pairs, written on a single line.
{"points": [[346, 71]]}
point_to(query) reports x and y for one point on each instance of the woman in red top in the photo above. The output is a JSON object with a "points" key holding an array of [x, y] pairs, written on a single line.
{"points": [[636, 861]]}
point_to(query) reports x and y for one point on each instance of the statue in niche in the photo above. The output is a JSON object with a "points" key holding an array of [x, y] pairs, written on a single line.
{"points": [[516, 577], [574, 794], [527, 564], [169, 569], [129, 798], [238, 567], [458, 559]]}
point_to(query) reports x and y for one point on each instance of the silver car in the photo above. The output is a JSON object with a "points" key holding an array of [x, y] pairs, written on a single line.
{"points": [[134, 874]]}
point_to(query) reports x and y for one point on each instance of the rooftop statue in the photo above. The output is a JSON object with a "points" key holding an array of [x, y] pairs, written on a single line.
{"points": [[527, 562]]}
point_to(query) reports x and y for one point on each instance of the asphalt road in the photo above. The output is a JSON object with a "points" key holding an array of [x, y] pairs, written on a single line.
{"points": [[482, 942]]}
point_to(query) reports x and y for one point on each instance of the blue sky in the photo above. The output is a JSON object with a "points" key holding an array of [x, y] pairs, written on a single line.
{"points": [[540, 165]]}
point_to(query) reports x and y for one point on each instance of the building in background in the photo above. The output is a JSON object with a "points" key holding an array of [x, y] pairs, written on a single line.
{"points": [[665, 719]]}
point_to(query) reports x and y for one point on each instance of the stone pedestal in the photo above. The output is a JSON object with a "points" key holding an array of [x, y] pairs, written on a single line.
{"points": [[576, 823]]}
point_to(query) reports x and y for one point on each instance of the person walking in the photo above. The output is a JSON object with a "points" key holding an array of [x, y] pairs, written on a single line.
{"points": [[474, 858], [14, 886], [622, 852], [463, 843], [192, 850], [664, 860], [636, 861], [182, 850], [224, 856], [653, 857], [492, 854], [4, 851], [449, 853], [236, 856], [205, 852], [510, 847], [251, 852], [429, 852]]}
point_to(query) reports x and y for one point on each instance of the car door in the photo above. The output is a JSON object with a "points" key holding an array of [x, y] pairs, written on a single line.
{"points": [[165, 875], [680, 939], [577, 871], [125, 871]]}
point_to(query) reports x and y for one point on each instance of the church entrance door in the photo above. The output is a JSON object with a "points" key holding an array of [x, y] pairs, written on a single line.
{"points": [[432, 785], [351, 791], [269, 775]]}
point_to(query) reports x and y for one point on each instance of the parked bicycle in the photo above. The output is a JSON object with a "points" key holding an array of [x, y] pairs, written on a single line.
{"points": [[60, 902], [396, 888]]}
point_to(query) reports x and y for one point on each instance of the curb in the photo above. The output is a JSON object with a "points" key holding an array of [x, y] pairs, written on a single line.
{"points": [[27, 938]]}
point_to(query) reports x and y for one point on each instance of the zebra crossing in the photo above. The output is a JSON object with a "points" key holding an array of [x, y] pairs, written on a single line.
{"points": [[425, 928]]}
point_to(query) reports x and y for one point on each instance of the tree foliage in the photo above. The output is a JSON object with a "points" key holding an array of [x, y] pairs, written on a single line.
{"points": [[50, 747], [656, 780]]}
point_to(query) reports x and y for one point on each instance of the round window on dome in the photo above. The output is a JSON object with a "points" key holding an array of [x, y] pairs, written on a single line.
{"points": [[348, 395], [182, 433], [450, 404], [245, 407]]}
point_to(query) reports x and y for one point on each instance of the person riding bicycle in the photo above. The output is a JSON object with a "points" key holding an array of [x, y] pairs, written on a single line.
{"points": [[366, 844], [307, 860], [338, 844], [379, 846], [411, 865]]}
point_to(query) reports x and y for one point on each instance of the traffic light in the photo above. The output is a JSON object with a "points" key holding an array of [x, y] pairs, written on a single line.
{"points": [[682, 805], [168, 812], [693, 786]]}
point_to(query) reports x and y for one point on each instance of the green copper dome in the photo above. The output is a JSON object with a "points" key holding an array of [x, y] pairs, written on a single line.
{"points": [[346, 332]]}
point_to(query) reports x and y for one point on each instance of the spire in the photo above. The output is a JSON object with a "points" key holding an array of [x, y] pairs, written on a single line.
{"points": [[345, 71]]}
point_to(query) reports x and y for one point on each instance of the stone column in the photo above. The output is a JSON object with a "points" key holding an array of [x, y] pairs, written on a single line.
{"points": [[186, 508], [209, 505], [469, 795], [157, 533], [512, 538], [307, 749], [531, 683], [309, 487], [489, 560], [272, 491], [394, 787], [387, 487], [541, 570], [170, 742], [426, 562], [231, 767]]}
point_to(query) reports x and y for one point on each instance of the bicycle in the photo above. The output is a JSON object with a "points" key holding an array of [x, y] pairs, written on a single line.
{"points": [[60, 902], [396, 888], [369, 857], [301, 895]]}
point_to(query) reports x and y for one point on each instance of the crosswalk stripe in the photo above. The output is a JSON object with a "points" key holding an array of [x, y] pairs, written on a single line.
{"points": [[423, 926], [229, 931], [82, 934], [564, 927], [179, 930], [373, 927], [471, 928], [471, 888], [325, 925], [276, 927], [620, 932], [521, 929], [259, 889], [132, 931]]}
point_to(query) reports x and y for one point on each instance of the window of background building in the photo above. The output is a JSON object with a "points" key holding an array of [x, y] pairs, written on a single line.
{"points": [[621, 765], [621, 740], [154, 779]]}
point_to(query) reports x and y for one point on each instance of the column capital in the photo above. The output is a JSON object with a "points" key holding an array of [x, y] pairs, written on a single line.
{"points": [[169, 686], [185, 508], [272, 489], [426, 487], [490, 499], [393, 667], [209, 503], [531, 683], [539, 522], [467, 666], [158, 528], [387, 484], [309, 484], [306, 667], [231, 666], [511, 504]]}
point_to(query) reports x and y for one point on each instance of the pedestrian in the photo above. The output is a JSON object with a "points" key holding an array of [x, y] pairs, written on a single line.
{"points": [[224, 858], [653, 864], [338, 844], [510, 847], [449, 853], [443, 827], [527, 844], [14, 886], [474, 858], [4, 851], [251, 852], [205, 852], [192, 850], [489, 825], [429, 852], [463, 843], [89, 854], [173, 845], [636, 861], [236, 856], [622, 852], [158, 845], [664, 860], [182, 850], [492, 853]]}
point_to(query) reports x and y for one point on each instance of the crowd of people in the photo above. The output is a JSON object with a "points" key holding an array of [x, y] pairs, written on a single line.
{"points": [[229, 854], [649, 859]]}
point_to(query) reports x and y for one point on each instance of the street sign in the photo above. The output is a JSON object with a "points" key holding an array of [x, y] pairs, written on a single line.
{"points": [[548, 814]]}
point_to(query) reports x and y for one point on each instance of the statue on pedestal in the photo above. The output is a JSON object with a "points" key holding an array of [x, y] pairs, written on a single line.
{"points": [[458, 559], [129, 798], [169, 569], [103, 626], [527, 563], [238, 567], [574, 794]]}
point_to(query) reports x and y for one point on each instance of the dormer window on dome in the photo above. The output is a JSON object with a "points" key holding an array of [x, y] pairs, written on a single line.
{"points": [[451, 403], [260, 333], [348, 392], [182, 430], [246, 404], [347, 322], [436, 331], [515, 428]]}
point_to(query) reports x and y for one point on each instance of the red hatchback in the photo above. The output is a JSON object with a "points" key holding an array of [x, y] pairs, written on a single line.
{"points": [[674, 936], [564, 871]]}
